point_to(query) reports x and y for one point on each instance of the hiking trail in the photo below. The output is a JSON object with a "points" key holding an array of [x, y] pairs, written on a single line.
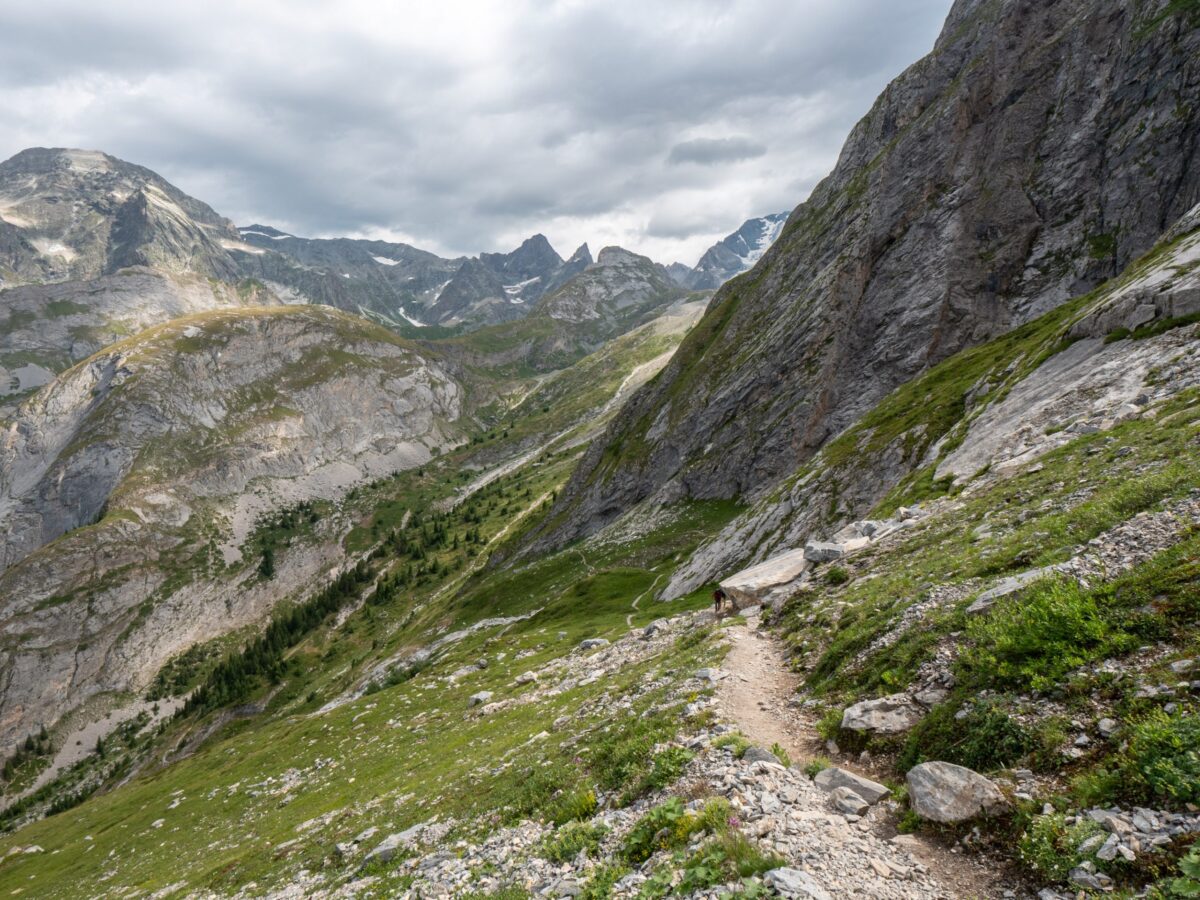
{"points": [[754, 696]]}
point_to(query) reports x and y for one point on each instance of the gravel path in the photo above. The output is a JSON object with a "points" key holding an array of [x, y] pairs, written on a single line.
{"points": [[754, 695]]}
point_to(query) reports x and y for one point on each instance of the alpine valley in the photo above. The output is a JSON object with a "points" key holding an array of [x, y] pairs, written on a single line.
{"points": [[337, 568]]}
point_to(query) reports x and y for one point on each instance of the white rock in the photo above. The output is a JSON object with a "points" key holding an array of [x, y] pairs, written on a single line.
{"points": [[944, 792], [887, 715], [790, 882], [833, 778]]}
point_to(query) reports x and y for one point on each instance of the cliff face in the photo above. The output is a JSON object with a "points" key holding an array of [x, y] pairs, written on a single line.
{"points": [[1037, 150], [132, 486]]}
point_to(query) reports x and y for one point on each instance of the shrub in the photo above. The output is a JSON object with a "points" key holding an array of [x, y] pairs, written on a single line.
{"points": [[781, 754], [737, 742], [815, 766], [600, 885], [837, 575], [665, 767], [1162, 761], [1051, 848], [986, 738], [1035, 641], [726, 857], [573, 807], [566, 843], [1188, 884], [666, 825], [830, 724]]}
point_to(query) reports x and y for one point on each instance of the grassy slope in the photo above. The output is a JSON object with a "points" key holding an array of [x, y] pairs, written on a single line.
{"points": [[580, 595], [361, 760]]}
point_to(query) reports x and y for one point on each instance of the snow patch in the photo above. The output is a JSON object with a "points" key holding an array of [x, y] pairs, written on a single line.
{"points": [[241, 247], [511, 289], [384, 261], [770, 233], [410, 319]]}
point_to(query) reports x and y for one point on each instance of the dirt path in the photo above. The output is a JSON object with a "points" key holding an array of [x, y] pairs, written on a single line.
{"points": [[754, 695]]}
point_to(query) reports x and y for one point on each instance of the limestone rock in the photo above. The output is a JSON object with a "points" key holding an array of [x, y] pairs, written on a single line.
{"points": [[751, 585], [759, 754], [944, 792], [849, 802], [833, 778], [791, 882], [894, 714]]}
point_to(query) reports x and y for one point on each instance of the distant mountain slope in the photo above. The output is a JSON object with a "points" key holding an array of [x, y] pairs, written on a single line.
{"points": [[1034, 153], [733, 254], [397, 283], [93, 249], [73, 215], [132, 486], [616, 293]]}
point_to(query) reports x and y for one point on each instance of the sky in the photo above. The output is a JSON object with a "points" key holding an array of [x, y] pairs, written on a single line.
{"points": [[463, 126]]}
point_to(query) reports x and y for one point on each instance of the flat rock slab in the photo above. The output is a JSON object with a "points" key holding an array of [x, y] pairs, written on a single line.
{"points": [[894, 714], [833, 778], [1008, 586], [789, 882], [749, 586]]}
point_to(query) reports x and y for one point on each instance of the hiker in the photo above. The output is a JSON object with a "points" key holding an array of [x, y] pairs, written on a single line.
{"points": [[719, 599]]}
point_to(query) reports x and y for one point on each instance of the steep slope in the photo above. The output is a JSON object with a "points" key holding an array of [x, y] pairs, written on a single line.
{"points": [[1085, 367], [141, 491], [390, 280], [74, 215], [94, 249], [1035, 152], [733, 254]]}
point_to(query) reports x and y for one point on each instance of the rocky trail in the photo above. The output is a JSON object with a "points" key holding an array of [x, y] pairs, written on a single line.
{"points": [[755, 694]]}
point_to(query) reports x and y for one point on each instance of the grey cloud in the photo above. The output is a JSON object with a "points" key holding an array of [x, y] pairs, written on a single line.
{"points": [[710, 151], [468, 132]]}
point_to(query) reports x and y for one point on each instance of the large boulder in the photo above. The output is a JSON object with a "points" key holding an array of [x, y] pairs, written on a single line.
{"points": [[944, 792], [833, 778], [751, 586], [894, 714]]}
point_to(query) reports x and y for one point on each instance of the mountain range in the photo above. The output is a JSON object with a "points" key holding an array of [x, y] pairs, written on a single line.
{"points": [[332, 567]]}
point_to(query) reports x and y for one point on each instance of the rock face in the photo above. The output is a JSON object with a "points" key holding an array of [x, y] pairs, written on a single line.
{"points": [[934, 232], [75, 215], [617, 293], [149, 466], [617, 286], [944, 792], [52, 326]]}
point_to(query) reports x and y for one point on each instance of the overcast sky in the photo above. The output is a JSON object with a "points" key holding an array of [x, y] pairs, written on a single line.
{"points": [[465, 125]]}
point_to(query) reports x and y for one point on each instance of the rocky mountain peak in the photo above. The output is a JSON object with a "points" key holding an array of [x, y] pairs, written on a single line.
{"points": [[78, 214], [583, 255], [619, 256]]}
